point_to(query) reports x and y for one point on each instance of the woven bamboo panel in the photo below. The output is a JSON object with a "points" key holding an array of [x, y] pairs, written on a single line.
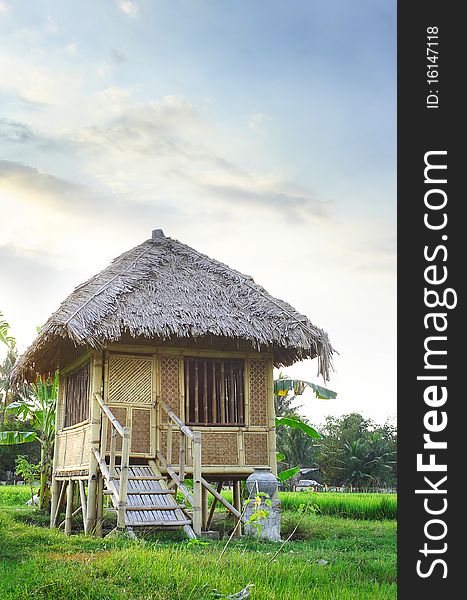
{"points": [[170, 383], [61, 445], [258, 392], [130, 380], [219, 448], [256, 448], [140, 431], [175, 445], [73, 449], [120, 413]]}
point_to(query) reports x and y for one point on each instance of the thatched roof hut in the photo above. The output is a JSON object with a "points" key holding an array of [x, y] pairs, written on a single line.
{"points": [[164, 290]]}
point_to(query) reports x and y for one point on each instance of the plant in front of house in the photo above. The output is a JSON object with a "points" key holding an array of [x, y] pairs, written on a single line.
{"points": [[28, 472]]}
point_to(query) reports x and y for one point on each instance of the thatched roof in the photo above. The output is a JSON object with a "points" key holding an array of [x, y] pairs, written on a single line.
{"points": [[165, 290]]}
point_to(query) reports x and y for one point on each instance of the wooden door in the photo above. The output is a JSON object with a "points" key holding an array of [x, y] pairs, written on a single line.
{"points": [[129, 395]]}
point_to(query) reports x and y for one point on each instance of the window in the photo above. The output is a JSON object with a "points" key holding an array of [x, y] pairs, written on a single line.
{"points": [[214, 391], [77, 396]]}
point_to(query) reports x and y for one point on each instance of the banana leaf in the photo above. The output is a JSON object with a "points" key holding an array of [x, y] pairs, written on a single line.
{"points": [[9, 438], [297, 424], [282, 386], [288, 474]]}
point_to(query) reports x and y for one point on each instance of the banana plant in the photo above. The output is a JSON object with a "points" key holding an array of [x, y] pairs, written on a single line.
{"points": [[7, 339], [282, 386], [39, 408]]}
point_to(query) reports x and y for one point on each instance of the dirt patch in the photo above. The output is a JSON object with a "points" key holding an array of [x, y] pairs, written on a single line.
{"points": [[81, 557]]}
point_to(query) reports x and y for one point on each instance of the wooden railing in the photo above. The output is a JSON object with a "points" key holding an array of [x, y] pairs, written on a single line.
{"points": [[192, 439], [119, 493]]}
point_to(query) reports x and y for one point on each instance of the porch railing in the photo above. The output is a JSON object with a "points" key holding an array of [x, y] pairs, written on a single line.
{"points": [[192, 440], [119, 493]]}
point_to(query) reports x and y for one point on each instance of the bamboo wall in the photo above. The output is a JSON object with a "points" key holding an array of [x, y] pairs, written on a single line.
{"points": [[135, 377]]}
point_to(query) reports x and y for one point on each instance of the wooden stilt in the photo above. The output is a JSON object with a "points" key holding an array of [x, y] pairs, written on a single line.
{"points": [[213, 506], [69, 506], [82, 495], [54, 499], [238, 505], [55, 514], [95, 443], [100, 505], [73, 514], [204, 507], [197, 486]]}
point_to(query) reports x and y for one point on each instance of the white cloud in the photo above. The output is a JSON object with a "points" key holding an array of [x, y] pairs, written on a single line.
{"points": [[257, 121], [51, 26], [72, 49], [129, 7], [36, 84], [4, 8]]}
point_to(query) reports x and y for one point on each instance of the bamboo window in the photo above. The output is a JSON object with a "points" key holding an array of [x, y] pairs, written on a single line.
{"points": [[214, 391], [77, 396]]}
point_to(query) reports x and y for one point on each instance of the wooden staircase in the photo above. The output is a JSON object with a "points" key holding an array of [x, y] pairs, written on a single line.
{"points": [[140, 493], [150, 504]]}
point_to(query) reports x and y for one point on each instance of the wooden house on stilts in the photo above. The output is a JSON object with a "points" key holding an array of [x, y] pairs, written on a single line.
{"points": [[166, 373]]}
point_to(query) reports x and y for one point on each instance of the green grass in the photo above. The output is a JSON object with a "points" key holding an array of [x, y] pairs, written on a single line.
{"points": [[41, 563], [354, 506], [14, 495]]}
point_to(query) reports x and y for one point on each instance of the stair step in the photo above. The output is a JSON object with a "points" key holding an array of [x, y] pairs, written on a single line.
{"points": [[160, 492], [180, 523], [143, 478], [144, 492], [155, 507]]}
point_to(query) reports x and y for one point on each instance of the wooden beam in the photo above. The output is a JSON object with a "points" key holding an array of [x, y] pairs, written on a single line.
{"points": [[196, 393], [213, 505], [96, 383], [110, 481], [181, 486], [82, 495], [59, 504], [69, 506], [222, 392], [124, 467], [100, 505], [73, 514], [214, 394], [197, 486], [204, 507], [205, 392], [238, 505], [181, 425], [222, 500], [112, 418]]}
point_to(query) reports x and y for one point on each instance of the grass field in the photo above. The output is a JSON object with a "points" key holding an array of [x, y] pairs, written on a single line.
{"points": [[36, 562], [354, 506]]}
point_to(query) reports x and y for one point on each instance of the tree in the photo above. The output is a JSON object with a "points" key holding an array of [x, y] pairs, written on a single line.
{"points": [[5, 337], [37, 406], [355, 451], [8, 393], [39, 409]]}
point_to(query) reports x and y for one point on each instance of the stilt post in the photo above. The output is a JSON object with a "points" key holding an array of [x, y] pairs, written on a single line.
{"points": [[69, 506], [197, 486], [238, 505]]}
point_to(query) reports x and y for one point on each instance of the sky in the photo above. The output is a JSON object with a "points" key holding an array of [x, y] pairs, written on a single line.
{"points": [[262, 133]]}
